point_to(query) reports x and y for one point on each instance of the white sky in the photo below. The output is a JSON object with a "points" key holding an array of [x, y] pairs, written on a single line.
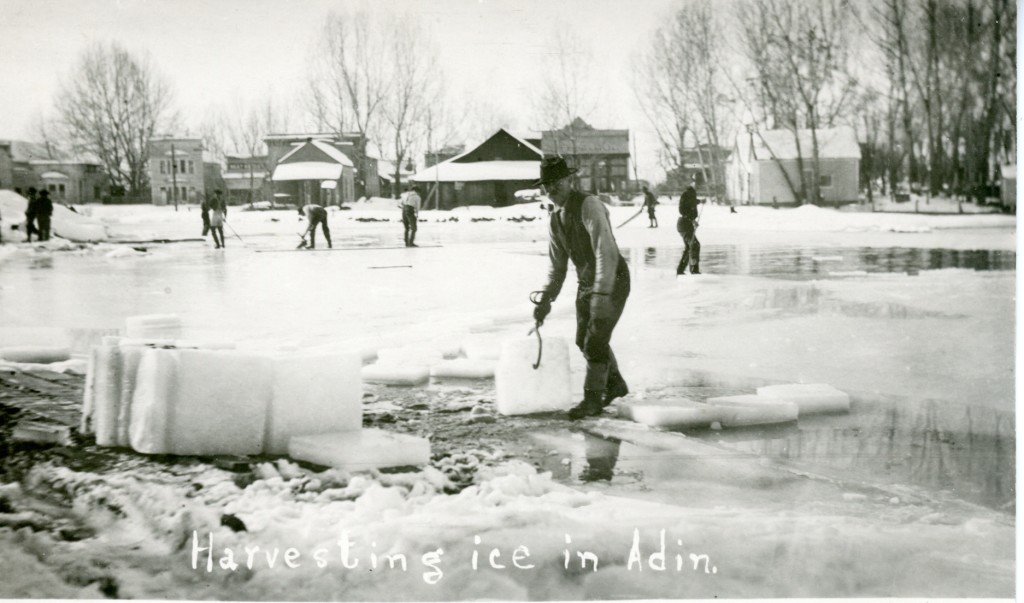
{"points": [[224, 53]]}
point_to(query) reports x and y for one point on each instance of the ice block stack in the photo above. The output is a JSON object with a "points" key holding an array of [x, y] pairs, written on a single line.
{"points": [[161, 397]]}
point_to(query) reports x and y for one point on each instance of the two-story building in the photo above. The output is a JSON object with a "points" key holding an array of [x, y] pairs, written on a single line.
{"points": [[602, 156], [246, 179], [366, 181], [176, 170]]}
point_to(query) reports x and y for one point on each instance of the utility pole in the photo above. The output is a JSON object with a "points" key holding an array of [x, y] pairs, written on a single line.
{"points": [[174, 177], [636, 177]]}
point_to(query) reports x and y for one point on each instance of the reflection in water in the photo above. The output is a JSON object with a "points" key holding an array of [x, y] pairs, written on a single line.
{"points": [[602, 454], [965, 451], [800, 262]]}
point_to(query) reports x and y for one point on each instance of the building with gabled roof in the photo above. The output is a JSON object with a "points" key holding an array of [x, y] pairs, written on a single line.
{"points": [[602, 156], [488, 174], [366, 180], [761, 161], [317, 172], [25, 165]]}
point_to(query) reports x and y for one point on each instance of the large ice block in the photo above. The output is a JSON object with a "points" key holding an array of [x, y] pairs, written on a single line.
{"points": [[749, 409], [463, 368], [220, 403], [154, 392], [153, 326], [810, 397], [393, 374], [312, 394], [361, 449], [521, 389], [670, 414], [131, 355]]}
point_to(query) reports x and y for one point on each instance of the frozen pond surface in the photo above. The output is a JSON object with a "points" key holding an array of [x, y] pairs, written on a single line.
{"points": [[918, 328]]}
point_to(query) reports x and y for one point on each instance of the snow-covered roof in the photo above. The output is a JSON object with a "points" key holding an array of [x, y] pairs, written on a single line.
{"points": [[242, 175], [449, 171], [833, 143], [53, 176], [329, 149], [307, 170], [386, 170]]}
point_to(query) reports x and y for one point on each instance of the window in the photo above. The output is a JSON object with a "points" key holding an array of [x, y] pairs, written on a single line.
{"points": [[191, 167], [825, 181], [163, 168], [60, 187], [95, 192]]}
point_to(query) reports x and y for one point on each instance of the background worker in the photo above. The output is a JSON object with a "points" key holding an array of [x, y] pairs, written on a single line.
{"points": [[687, 227], [315, 214], [410, 215]]}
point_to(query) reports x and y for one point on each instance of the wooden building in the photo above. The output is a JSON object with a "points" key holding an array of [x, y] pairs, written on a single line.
{"points": [[488, 174], [366, 182], [757, 170], [314, 172], [602, 156]]}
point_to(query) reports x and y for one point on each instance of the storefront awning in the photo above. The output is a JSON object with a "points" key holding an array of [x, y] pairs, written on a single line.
{"points": [[307, 170]]}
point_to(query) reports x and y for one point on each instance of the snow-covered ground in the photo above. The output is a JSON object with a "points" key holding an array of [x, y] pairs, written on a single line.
{"points": [[916, 309]]}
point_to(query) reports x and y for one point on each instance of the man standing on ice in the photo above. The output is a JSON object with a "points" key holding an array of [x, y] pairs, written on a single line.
{"points": [[581, 231], [651, 203], [315, 214], [687, 227], [410, 215]]}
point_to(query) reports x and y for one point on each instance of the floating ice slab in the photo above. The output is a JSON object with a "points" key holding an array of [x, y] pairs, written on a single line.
{"points": [[521, 389], [220, 403], [670, 414], [312, 394], [153, 326], [414, 355], [151, 401], [748, 409], [810, 397], [35, 354], [481, 347], [361, 449], [393, 374], [464, 368]]}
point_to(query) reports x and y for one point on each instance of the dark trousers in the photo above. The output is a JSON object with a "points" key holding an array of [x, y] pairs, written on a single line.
{"points": [[652, 217], [322, 221], [206, 223], [30, 227], [43, 228], [409, 222], [218, 235], [594, 335], [691, 246]]}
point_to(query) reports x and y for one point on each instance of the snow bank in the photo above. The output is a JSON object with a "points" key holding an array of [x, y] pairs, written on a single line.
{"points": [[65, 223]]}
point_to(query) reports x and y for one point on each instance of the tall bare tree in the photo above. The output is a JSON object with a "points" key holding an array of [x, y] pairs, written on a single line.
{"points": [[350, 81], [415, 86], [568, 89], [799, 51], [113, 103]]}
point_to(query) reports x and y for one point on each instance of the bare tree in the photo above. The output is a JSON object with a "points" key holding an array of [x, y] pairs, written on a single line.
{"points": [[349, 80], [415, 85], [111, 106], [568, 89], [44, 131], [799, 51]]}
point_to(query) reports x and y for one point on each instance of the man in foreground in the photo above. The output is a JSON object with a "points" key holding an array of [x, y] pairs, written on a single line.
{"points": [[581, 231]]}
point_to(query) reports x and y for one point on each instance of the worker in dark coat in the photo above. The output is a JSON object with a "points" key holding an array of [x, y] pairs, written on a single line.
{"points": [[687, 227], [580, 231], [44, 210]]}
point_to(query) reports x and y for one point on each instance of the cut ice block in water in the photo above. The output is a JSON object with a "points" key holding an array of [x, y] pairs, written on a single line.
{"points": [[521, 389], [220, 403], [154, 394], [463, 368], [360, 449], [153, 326], [31, 354], [313, 393], [395, 374], [482, 347], [413, 355], [670, 414], [106, 399], [810, 398], [749, 409]]}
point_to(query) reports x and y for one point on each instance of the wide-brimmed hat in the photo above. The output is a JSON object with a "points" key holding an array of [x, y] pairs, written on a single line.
{"points": [[553, 168]]}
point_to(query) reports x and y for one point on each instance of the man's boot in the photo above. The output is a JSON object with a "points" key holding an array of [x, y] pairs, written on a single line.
{"points": [[591, 406], [616, 388]]}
